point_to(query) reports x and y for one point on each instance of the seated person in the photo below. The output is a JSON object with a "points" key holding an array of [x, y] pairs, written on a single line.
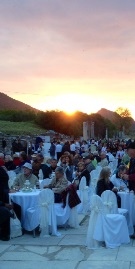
{"points": [[26, 175], [9, 164], [5, 215], [82, 172], [40, 164], [53, 165], [88, 162], [104, 161], [117, 179], [58, 184], [23, 159], [104, 184]]}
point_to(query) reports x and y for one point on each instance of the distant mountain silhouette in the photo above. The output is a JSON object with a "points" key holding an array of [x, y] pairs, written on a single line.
{"points": [[9, 103], [108, 114]]}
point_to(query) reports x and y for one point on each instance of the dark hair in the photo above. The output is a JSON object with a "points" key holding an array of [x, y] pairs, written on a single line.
{"points": [[131, 145]]}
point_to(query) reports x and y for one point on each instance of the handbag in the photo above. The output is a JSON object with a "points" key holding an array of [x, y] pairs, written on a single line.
{"points": [[15, 227]]}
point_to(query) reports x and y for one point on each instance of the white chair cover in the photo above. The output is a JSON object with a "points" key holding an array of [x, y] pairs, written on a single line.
{"points": [[114, 226], [62, 213], [48, 217], [94, 174], [32, 218], [109, 202], [96, 210], [12, 177], [115, 230], [98, 169], [45, 182], [73, 218], [83, 195]]}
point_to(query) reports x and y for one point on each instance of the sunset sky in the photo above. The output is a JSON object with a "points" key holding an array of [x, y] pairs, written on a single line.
{"points": [[68, 54]]}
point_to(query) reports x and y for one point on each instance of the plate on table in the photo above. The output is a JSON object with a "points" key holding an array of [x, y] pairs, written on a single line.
{"points": [[26, 190]]}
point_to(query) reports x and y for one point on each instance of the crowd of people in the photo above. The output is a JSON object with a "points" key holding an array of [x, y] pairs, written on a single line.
{"points": [[70, 161]]}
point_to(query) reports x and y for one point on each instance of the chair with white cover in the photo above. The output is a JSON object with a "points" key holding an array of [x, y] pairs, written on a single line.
{"points": [[66, 212], [45, 182], [110, 204], [96, 211], [43, 215], [83, 195], [73, 218], [98, 169], [62, 213], [94, 174], [114, 230], [114, 226], [47, 216]]}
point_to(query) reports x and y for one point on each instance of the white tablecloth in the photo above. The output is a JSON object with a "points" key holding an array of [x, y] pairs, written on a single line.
{"points": [[127, 202], [25, 200]]}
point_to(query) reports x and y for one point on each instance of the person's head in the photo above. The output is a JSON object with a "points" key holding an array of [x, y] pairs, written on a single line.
{"points": [[120, 147], [131, 149], [105, 173], [87, 159], [53, 163], [103, 155], [108, 150], [41, 144], [23, 156], [8, 158], [59, 172], [40, 158], [121, 170], [68, 159], [27, 169], [63, 159], [81, 166], [1, 155]]}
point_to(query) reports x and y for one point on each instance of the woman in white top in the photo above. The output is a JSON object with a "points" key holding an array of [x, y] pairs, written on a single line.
{"points": [[117, 179]]}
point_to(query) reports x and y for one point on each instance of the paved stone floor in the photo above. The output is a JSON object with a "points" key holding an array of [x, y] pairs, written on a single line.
{"points": [[67, 251]]}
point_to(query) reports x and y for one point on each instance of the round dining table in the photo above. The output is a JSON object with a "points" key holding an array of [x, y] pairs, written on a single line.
{"points": [[25, 200], [127, 202]]}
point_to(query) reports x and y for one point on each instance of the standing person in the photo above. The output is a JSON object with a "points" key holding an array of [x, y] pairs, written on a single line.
{"points": [[119, 154], [4, 144], [58, 150], [41, 148], [52, 150], [130, 176], [4, 189], [72, 148]]}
